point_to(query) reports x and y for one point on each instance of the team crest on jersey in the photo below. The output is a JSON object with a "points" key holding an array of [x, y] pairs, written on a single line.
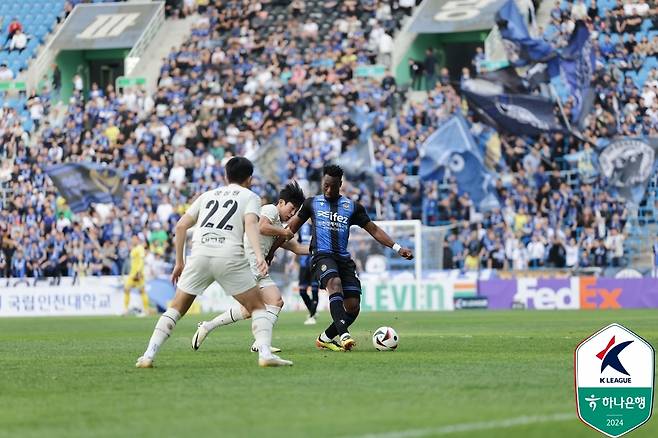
{"points": [[323, 268], [346, 205]]}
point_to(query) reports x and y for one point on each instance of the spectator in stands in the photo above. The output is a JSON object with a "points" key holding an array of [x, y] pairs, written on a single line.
{"points": [[478, 59], [614, 243], [5, 73], [13, 27], [429, 67], [18, 41], [536, 252], [416, 73]]}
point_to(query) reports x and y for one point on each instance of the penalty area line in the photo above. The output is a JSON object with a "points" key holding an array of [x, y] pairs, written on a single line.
{"points": [[470, 427]]}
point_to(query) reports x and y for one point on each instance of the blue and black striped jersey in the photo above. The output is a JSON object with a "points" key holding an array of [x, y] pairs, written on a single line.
{"points": [[331, 221]]}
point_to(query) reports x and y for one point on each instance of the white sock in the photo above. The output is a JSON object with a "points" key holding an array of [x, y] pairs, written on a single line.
{"points": [[234, 314], [262, 323], [163, 329], [274, 310], [324, 337]]}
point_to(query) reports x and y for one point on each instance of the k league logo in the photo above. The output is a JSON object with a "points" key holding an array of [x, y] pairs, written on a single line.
{"points": [[614, 379]]}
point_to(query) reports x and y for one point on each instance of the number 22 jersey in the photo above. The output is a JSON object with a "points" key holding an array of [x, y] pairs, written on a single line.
{"points": [[219, 216]]}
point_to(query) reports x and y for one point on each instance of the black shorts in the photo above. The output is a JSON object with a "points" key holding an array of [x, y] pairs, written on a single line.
{"points": [[305, 276], [326, 267]]}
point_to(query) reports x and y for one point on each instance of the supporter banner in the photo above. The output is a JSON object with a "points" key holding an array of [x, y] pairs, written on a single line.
{"points": [[627, 164], [521, 48], [452, 148], [518, 114], [85, 183], [447, 16], [105, 26], [92, 296], [577, 65], [571, 293]]}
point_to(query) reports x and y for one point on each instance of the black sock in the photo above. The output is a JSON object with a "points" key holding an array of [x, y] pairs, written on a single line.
{"points": [[314, 292], [307, 301], [338, 313], [331, 331]]}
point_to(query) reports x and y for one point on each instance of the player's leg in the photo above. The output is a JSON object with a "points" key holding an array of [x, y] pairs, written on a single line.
{"points": [[145, 299], [273, 304], [304, 281], [128, 286], [237, 279], [330, 279], [165, 326], [196, 277], [315, 297], [351, 292], [352, 305]]}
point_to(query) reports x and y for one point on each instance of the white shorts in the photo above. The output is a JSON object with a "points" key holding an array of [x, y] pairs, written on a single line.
{"points": [[262, 282], [232, 274]]}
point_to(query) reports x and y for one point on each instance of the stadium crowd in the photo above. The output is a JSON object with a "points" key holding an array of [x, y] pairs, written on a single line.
{"points": [[251, 78]]}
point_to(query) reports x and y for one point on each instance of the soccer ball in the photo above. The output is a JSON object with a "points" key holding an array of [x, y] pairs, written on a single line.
{"points": [[385, 339]]}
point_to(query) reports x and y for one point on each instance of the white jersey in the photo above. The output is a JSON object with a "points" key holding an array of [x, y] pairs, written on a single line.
{"points": [[272, 213], [219, 216]]}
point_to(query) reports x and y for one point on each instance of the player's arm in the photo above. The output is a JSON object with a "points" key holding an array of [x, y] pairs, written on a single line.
{"points": [[251, 228], [361, 218], [294, 224], [268, 229], [184, 223], [382, 237], [296, 247]]}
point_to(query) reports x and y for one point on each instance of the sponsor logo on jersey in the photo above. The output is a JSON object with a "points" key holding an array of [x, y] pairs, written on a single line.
{"points": [[333, 217]]}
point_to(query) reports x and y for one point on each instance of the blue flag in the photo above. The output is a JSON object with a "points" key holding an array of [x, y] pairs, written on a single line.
{"points": [[83, 184], [577, 66], [627, 164], [521, 48], [452, 149], [516, 113]]}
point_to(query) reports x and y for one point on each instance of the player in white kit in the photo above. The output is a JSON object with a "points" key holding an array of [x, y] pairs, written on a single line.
{"points": [[271, 226], [222, 217]]}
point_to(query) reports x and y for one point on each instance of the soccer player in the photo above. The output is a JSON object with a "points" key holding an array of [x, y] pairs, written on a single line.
{"points": [[331, 217], [271, 221], [222, 217], [306, 277], [135, 278]]}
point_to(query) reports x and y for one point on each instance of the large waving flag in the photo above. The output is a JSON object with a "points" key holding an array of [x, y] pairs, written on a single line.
{"points": [[82, 184], [519, 114], [451, 149], [521, 48], [577, 66]]}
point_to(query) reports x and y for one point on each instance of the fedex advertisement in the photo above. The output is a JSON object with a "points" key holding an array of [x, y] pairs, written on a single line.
{"points": [[571, 293]]}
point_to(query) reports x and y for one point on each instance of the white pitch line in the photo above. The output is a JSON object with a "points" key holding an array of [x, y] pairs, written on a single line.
{"points": [[469, 427]]}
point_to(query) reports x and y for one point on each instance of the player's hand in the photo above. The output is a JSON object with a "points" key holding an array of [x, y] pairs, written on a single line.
{"points": [[262, 267], [406, 253], [175, 275], [287, 234]]}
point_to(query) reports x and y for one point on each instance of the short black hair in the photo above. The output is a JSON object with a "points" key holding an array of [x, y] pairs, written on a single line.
{"points": [[238, 170], [333, 170], [292, 193]]}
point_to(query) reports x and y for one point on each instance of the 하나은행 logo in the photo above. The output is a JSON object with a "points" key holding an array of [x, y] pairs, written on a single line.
{"points": [[614, 378]]}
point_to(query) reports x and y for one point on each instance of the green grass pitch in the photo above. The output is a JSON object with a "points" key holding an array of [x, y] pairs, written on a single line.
{"points": [[455, 373]]}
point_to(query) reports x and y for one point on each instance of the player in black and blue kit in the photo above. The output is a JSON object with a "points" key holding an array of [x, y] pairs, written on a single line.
{"points": [[306, 277], [331, 216]]}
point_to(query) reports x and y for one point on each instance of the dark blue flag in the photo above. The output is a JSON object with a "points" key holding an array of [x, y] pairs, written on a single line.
{"points": [[627, 164], [577, 66], [521, 48], [516, 113], [452, 149], [83, 184]]}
